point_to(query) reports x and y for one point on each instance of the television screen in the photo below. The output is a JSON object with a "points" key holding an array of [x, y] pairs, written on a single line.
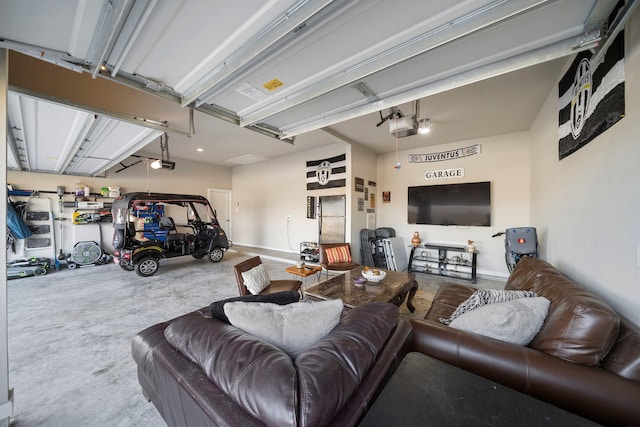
{"points": [[450, 204]]}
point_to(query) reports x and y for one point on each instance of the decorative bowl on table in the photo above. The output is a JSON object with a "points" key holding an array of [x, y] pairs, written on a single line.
{"points": [[359, 281], [373, 275]]}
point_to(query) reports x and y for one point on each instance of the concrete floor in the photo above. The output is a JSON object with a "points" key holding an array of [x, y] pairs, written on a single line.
{"points": [[70, 331]]}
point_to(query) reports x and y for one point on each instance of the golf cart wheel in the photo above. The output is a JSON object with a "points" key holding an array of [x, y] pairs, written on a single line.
{"points": [[215, 255], [198, 255], [71, 265], [40, 272], [147, 266]]}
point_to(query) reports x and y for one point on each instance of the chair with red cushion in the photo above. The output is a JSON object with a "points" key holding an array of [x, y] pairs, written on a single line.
{"points": [[336, 257]]}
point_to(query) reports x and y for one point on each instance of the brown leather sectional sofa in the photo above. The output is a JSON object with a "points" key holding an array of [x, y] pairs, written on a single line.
{"points": [[585, 358], [203, 372]]}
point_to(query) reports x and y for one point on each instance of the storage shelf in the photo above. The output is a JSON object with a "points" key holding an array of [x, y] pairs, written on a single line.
{"points": [[309, 252], [464, 263], [39, 219], [457, 265]]}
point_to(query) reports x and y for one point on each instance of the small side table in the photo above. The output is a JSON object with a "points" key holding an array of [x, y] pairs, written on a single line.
{"points": [[305, 271]]}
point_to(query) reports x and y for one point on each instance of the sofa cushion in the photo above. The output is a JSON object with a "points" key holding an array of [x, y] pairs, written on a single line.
{"points": [[485, 296], [579, 328], [285, 297], [448, 297], [516, 321], [330, 372], [272, 387], [256, 279], [338, 255], [253, 373], [293, 328]]}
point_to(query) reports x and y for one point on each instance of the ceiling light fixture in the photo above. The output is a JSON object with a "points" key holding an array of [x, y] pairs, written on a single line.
{"points": [[424, 126], [164, 148], [163, 164]]}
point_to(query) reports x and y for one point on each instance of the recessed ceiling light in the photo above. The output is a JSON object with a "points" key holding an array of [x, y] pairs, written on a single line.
{"points": [[200, 150]]}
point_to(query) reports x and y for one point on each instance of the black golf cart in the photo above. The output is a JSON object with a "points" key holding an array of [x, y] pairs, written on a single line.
{"points": [[145, 230]]}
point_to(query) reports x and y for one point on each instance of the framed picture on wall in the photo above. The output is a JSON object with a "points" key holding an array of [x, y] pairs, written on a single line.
{"points": [[386, 197], [311, 207]]}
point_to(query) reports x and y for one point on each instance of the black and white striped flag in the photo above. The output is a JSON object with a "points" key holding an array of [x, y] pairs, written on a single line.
{"points": [[327, 173], [591, 97]]}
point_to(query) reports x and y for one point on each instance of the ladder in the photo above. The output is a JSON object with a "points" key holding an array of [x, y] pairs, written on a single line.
{"points": [[39, 219]]}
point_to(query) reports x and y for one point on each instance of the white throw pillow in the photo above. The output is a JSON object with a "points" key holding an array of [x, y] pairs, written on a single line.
{"points": [[516, 321], [293, 328], [483, 297], [256, 279]]}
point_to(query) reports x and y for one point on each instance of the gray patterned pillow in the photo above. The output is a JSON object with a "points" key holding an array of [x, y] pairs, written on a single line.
{"points": [[483, 297]]}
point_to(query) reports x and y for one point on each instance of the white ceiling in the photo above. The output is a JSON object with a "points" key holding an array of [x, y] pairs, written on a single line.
{"points": [[288, 68]]}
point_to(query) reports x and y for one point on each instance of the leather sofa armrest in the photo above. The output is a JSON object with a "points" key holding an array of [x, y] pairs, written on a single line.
{"points": [[581, 389], [375, 380]]}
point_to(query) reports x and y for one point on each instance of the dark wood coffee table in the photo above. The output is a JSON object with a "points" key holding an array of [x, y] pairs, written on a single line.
{"points": [[394, 288]]}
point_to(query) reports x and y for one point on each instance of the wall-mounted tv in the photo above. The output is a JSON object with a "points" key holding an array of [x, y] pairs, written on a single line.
{"points": [[450, 204]]}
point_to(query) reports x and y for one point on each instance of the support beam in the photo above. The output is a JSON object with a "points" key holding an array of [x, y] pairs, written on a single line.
{"points": [[6, 394]]}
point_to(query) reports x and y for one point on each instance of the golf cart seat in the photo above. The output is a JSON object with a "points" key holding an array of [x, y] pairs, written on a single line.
{"points": [[167, 224]]}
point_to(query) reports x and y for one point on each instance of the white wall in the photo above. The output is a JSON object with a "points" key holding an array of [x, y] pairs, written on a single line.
{"points": [[188, 178], [363, 165], [587, 206], [504, 161], [265, 193]]}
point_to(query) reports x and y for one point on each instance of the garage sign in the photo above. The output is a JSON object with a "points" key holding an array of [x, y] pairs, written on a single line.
{"points": [[444, 173]]}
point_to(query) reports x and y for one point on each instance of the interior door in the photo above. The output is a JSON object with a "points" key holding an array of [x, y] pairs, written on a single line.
{"points": [[221, 202]]}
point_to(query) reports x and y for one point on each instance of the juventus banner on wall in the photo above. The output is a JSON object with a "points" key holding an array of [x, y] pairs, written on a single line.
{"points": [[591, 97], [327, 173]]}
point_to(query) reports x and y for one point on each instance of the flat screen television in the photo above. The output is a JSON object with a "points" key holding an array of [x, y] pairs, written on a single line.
{"points": [[450, 204]]}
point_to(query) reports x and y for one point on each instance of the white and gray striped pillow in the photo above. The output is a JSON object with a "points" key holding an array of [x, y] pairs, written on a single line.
{"points": [[483, 297]]}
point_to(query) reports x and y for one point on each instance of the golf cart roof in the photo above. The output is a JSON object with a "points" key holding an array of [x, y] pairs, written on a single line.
{"points": [[127, 198]]}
